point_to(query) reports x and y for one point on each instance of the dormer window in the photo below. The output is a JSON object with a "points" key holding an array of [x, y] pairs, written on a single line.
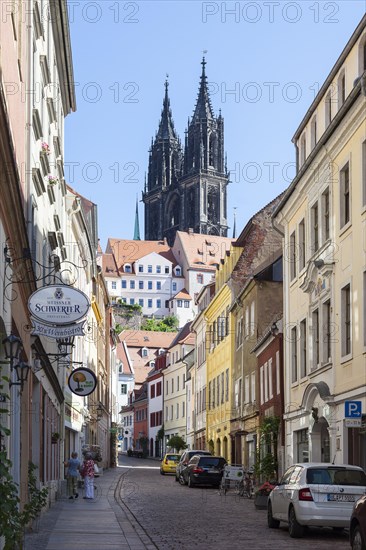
{"points": [[120, 368], [152, 364], [144, 352], [178, 271], [127, 268], [161, 351]]}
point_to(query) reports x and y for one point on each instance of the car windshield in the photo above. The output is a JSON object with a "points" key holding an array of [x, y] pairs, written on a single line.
{"points": [[174, 458], [210, 462], [336, 476]]}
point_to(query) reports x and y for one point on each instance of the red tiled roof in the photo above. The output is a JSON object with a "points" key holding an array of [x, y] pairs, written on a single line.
{"points": [[184, 336], [182, 294], [148, 339], [122, 355], [109, 266], [128, 251], [203, 251]]}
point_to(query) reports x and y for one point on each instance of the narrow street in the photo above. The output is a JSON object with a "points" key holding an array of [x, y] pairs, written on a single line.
{"points": [[176, 517]]}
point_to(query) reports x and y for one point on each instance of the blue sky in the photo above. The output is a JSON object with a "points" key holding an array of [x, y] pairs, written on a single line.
{"points": [[265, 62]]}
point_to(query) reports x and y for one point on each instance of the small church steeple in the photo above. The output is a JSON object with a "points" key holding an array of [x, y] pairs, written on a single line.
{"points": [[136, 233], [203, 109]]}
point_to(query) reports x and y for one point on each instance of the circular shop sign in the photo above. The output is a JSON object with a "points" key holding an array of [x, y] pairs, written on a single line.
{"points": [[58, 304], [82, 381]]}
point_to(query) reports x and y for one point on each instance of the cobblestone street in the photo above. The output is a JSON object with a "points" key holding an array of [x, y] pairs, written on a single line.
{"points": [[176, 517]]}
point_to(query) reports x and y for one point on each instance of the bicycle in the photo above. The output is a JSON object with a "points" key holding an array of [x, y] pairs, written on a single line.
{"points": [[246, 486]]}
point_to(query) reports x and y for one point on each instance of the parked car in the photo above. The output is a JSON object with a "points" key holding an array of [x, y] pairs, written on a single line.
{"points": [[357, 526], [169, 463], [204, 470], [315, 494], [184, 459]]}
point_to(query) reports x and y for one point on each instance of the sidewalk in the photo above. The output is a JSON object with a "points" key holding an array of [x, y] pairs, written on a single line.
{"points": [[103, 523]]}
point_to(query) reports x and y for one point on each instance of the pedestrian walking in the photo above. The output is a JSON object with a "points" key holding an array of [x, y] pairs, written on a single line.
{"points": [[73, 467], [88, 475]]}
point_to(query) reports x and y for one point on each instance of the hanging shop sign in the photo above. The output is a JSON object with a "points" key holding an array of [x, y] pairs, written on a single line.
{"points": [[82, 381], [58, 305], [76, 329]]}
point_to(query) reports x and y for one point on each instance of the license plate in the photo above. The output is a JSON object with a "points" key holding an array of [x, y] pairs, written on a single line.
{"points": [[341, 498]]}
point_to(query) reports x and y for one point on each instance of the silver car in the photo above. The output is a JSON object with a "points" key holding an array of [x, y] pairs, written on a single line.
{"points": [[315, 494]]}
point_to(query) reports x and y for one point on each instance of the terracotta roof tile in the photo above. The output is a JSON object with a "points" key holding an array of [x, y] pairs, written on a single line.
{"points": [[128, 251], [182, 294], [203, 251]]}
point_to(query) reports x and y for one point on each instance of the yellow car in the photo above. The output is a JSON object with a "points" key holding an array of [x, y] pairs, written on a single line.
{"points": [[169, 464]]}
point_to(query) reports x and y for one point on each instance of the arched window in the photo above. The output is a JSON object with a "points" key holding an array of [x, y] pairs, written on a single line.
{"points": [[144, 352]]}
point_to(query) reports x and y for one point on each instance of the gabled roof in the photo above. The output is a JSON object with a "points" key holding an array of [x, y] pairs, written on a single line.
{"points": [[203, 252], [109, 265], [128, 251], [184, 336], [122, 355], [182, 295], [148, 339]]}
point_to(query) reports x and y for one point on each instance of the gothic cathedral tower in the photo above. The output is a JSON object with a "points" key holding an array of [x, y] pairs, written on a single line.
{"points": [[187, 191]]}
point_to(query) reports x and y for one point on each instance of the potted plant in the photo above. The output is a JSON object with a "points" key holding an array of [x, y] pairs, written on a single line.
{"points": [[261, 495], [55, 436]]}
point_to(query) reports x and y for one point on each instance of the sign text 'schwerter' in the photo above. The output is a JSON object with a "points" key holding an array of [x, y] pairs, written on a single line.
{"points": [[58, 305]]}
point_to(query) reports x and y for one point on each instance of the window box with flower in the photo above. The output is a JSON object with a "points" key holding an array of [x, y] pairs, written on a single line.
{"points": [[45, 148], [52, 180]]}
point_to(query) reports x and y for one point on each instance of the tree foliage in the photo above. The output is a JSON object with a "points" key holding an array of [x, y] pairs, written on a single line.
{"points": [[168, 324], [177, 442]]}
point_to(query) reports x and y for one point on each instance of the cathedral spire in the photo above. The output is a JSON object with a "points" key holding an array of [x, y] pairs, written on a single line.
{"points": [[166, 126], [234, 228], [203, 109], [136, 233]]}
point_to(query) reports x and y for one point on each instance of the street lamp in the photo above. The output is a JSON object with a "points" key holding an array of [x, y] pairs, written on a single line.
{"points": [[99, 412], [22, 369], [13, 347]]}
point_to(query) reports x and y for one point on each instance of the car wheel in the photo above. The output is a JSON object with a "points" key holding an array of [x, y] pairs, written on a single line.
{"points": [[190, 482], [272, 523], [181, 479], [295, 530], [357, 542], [162, 473]]}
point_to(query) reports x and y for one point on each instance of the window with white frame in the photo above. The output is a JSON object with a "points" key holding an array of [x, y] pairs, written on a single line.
{"points": [[172, 385], [341, 86], [123, 389], [252, 318], [313, 132], [293, 344], [246, 321], [124, 284], [222, 388], [345, 199], [346, 317], [364, 308], [177, 410], [183, 409], [158, 285], [314, 215], [178, 271], [278, 376], [174, 287], [302, 245], [114, 285], [144, 352], [292, 254], [141, 268], [325, 215], [141, 302], [132, 284], [265, 381], [270, 379], [149, 268], [302, 149], [218, 390], [209, 395], [328, 109], [158, 269], [303, 349], [141, 285], [213, 393], [326, 330], [171, 412], [127, 268], [252, 379], [239, 331], [315, 338], [261, 385], [363, 173], [227, 385], [246, 390], [167, 387]]}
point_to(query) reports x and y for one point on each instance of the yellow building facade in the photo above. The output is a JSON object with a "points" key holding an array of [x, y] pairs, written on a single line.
{"points": [[323, 219], [219, 360]]}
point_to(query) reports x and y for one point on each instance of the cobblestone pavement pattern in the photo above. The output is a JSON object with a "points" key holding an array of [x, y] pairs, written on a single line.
{"points": [[177, 517], [136, 508]]}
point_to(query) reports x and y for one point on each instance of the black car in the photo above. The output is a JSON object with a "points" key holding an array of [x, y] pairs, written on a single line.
{"points": [[204, 470], [183, 462], [357, 528]]}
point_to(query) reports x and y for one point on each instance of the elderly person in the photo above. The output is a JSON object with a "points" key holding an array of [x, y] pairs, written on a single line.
{"points": [[88, 475], [73, 467]]}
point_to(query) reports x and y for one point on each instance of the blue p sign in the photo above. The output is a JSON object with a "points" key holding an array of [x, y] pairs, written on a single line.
{"points": [[353, 409]]}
